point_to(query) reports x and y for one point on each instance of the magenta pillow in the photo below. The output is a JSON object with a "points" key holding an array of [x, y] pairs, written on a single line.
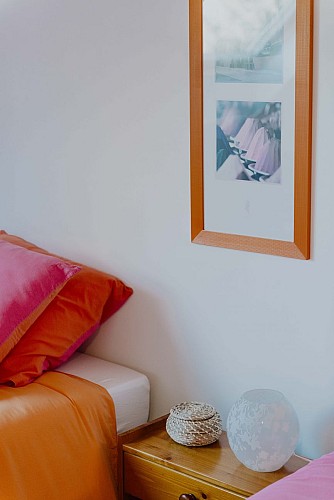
{"points": [[28, 283], [315, 481]]}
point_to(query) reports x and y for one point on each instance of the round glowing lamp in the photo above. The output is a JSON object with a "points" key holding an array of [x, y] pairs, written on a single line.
{"points": [[262, 429]]}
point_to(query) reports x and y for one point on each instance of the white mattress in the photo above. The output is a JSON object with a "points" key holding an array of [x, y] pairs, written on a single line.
{"points": [[129, 389]]}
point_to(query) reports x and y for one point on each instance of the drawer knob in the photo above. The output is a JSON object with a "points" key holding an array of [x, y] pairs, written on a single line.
{"points": [[187, 496]]}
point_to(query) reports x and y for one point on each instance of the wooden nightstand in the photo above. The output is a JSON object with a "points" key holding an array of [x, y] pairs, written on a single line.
{"points": [[153, 466]]}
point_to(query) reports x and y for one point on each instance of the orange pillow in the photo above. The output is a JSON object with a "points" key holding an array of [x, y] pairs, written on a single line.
{"points": [[83, 304]]}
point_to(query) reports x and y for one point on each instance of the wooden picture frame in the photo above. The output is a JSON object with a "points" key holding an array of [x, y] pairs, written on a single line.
{"points": [[299, 245]]}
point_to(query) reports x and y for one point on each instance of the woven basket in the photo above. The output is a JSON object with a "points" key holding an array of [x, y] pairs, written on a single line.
{"points": [[194, 424]]}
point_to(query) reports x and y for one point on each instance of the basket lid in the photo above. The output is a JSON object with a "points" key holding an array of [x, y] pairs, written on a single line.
{"points": [[192, 411]]}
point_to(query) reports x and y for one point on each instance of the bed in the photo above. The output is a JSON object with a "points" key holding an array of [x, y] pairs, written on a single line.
{"points": [[60, 409], [315, 481], [59, 433]]}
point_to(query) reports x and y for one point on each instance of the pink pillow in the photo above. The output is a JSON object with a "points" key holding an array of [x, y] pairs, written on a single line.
{"points": [[315, 481], [28, 283]]}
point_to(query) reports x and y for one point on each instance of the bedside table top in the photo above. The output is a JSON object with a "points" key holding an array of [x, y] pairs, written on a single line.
{"points": [[216, 463]]}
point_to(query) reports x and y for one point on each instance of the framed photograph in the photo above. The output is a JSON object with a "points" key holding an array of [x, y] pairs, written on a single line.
{"points": [[251, 124]]}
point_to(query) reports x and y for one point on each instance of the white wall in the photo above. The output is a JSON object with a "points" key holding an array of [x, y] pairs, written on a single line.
{"points": [[94, 164]]}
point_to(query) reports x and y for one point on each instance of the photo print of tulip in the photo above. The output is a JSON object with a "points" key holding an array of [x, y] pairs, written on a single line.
{"points": [[248, 141]]}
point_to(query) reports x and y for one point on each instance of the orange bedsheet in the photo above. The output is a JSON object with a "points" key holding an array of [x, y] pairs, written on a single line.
{"points": [[58, 440]]}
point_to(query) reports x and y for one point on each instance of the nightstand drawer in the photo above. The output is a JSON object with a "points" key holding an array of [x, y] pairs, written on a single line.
{"points": [[150, 481]]}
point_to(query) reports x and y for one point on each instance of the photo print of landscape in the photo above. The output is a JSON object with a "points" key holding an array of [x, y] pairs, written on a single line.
{"points": [[248, 141], [247, 39]]}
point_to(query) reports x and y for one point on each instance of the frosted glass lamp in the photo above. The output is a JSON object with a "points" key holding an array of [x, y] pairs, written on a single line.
{"points": [[262, 430]]}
